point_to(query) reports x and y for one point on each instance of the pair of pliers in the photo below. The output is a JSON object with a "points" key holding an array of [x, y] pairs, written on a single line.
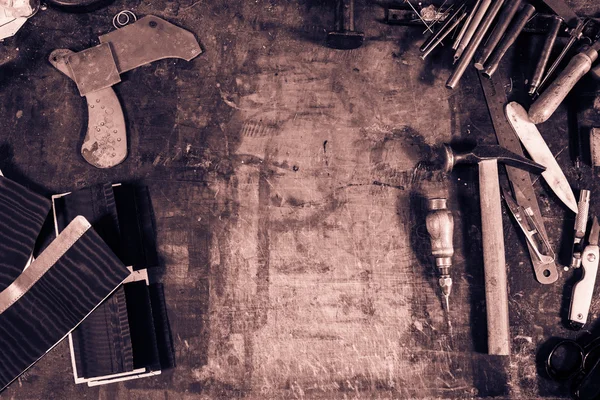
{"points": [[584, 288]]}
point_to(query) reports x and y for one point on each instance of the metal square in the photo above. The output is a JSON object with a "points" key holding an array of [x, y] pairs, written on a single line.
{"points": [[94, 69]]}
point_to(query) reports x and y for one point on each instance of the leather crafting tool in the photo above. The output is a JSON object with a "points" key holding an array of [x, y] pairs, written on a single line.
{"points": [[524, 194], [494, 263], [97, 69], [440, 226], [538, 244], [584, 289], [580, 227], [504, 18], [545, 105], [538, 149]]}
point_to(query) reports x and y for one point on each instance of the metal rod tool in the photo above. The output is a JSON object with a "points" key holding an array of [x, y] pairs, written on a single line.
{"points": [[509, 38], [456, 22], [540, 67], [506, 15], [442, 30], [469, 52], [478, 15], [465, 26]]}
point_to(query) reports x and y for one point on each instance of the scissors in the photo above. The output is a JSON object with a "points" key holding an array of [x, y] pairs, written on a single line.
{"points": [[570, 360], [584, 289]]}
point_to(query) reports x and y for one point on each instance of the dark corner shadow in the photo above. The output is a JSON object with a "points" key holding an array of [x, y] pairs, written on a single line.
{"points": [[13, 172]]}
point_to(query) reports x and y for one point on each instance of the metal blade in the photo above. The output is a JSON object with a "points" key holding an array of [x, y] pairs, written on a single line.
{"points": [[539, 151]]}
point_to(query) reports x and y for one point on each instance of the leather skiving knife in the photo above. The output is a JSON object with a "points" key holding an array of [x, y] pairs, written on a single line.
{"points": [[96, 69], [540, 153], [544, 268]]}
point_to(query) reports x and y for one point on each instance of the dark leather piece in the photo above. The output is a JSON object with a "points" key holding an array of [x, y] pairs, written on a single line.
{"points": [[141, 321], [136, 220], [22, 214], [164, 340], [102, 344], [77, 282]]}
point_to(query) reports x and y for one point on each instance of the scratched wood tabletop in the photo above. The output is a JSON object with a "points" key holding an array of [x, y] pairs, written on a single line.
{"points": [[287, 185]]}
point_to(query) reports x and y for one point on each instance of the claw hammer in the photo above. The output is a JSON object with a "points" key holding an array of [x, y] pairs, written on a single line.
{"points": [[494, 263]]}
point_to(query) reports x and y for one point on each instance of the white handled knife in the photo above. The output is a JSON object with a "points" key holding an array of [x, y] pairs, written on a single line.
{"points": [[540, 153]]}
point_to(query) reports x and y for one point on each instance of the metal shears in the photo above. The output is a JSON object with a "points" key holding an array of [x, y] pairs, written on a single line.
{"points": [[584, 288], [581, 363]]}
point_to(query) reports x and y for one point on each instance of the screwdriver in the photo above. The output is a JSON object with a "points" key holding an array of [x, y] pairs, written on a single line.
{"points": [[440, 226]]}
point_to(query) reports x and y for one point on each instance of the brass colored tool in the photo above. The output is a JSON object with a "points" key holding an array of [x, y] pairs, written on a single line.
{"points": [[526, 221], [440, 226], [581, 220]]}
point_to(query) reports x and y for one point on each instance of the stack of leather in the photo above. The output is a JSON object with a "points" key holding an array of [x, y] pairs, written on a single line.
{"points": [[128, 336], [44, 300]]}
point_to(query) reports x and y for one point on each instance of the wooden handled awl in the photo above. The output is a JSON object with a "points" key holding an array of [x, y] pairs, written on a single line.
{"points": [[440, 226], [550, 99], [494, 264]]}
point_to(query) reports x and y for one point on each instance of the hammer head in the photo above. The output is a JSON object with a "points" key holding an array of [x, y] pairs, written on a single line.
{"points": [[345, 40], [498, 153]]}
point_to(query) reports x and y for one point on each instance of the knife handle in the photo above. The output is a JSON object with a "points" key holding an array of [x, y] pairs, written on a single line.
{"points": [[584, 289]]}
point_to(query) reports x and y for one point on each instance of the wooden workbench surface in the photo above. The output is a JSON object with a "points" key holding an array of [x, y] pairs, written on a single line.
{"points": [[288, 195]]}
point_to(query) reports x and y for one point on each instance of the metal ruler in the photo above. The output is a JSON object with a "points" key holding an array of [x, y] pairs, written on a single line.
{"points": [[496, 99]]}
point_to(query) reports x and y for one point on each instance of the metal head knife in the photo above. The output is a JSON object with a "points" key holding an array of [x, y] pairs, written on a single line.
{"points": [[584, 289], [538, 149]]}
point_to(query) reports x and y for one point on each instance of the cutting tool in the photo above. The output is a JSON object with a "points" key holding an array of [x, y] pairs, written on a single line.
{"points": [[583, 290], [540, 152], [526, 221]]}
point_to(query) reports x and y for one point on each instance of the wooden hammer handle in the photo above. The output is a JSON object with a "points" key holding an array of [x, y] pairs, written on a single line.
{"points": [[496, 284]]}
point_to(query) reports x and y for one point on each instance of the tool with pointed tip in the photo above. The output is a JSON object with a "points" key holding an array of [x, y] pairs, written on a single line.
{"points": [[440, 226], [494, 263], [526, 221], [580, 227], [538, 149], [584, 289]]}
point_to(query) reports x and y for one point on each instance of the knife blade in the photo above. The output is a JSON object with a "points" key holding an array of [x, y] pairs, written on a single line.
{"points": [[538, 149]]}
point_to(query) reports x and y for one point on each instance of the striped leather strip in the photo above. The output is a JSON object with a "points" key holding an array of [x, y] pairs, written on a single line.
{"points": [[22, 213], [83, 274], [43, 263]]}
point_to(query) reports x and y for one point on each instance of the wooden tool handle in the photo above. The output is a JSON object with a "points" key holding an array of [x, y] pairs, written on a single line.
{"points": [[496, 285], [440, 226], [548, 102]]}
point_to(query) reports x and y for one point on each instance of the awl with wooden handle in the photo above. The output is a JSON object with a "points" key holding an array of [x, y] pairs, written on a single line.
{"points": [[550, 99], [440, 226]]}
